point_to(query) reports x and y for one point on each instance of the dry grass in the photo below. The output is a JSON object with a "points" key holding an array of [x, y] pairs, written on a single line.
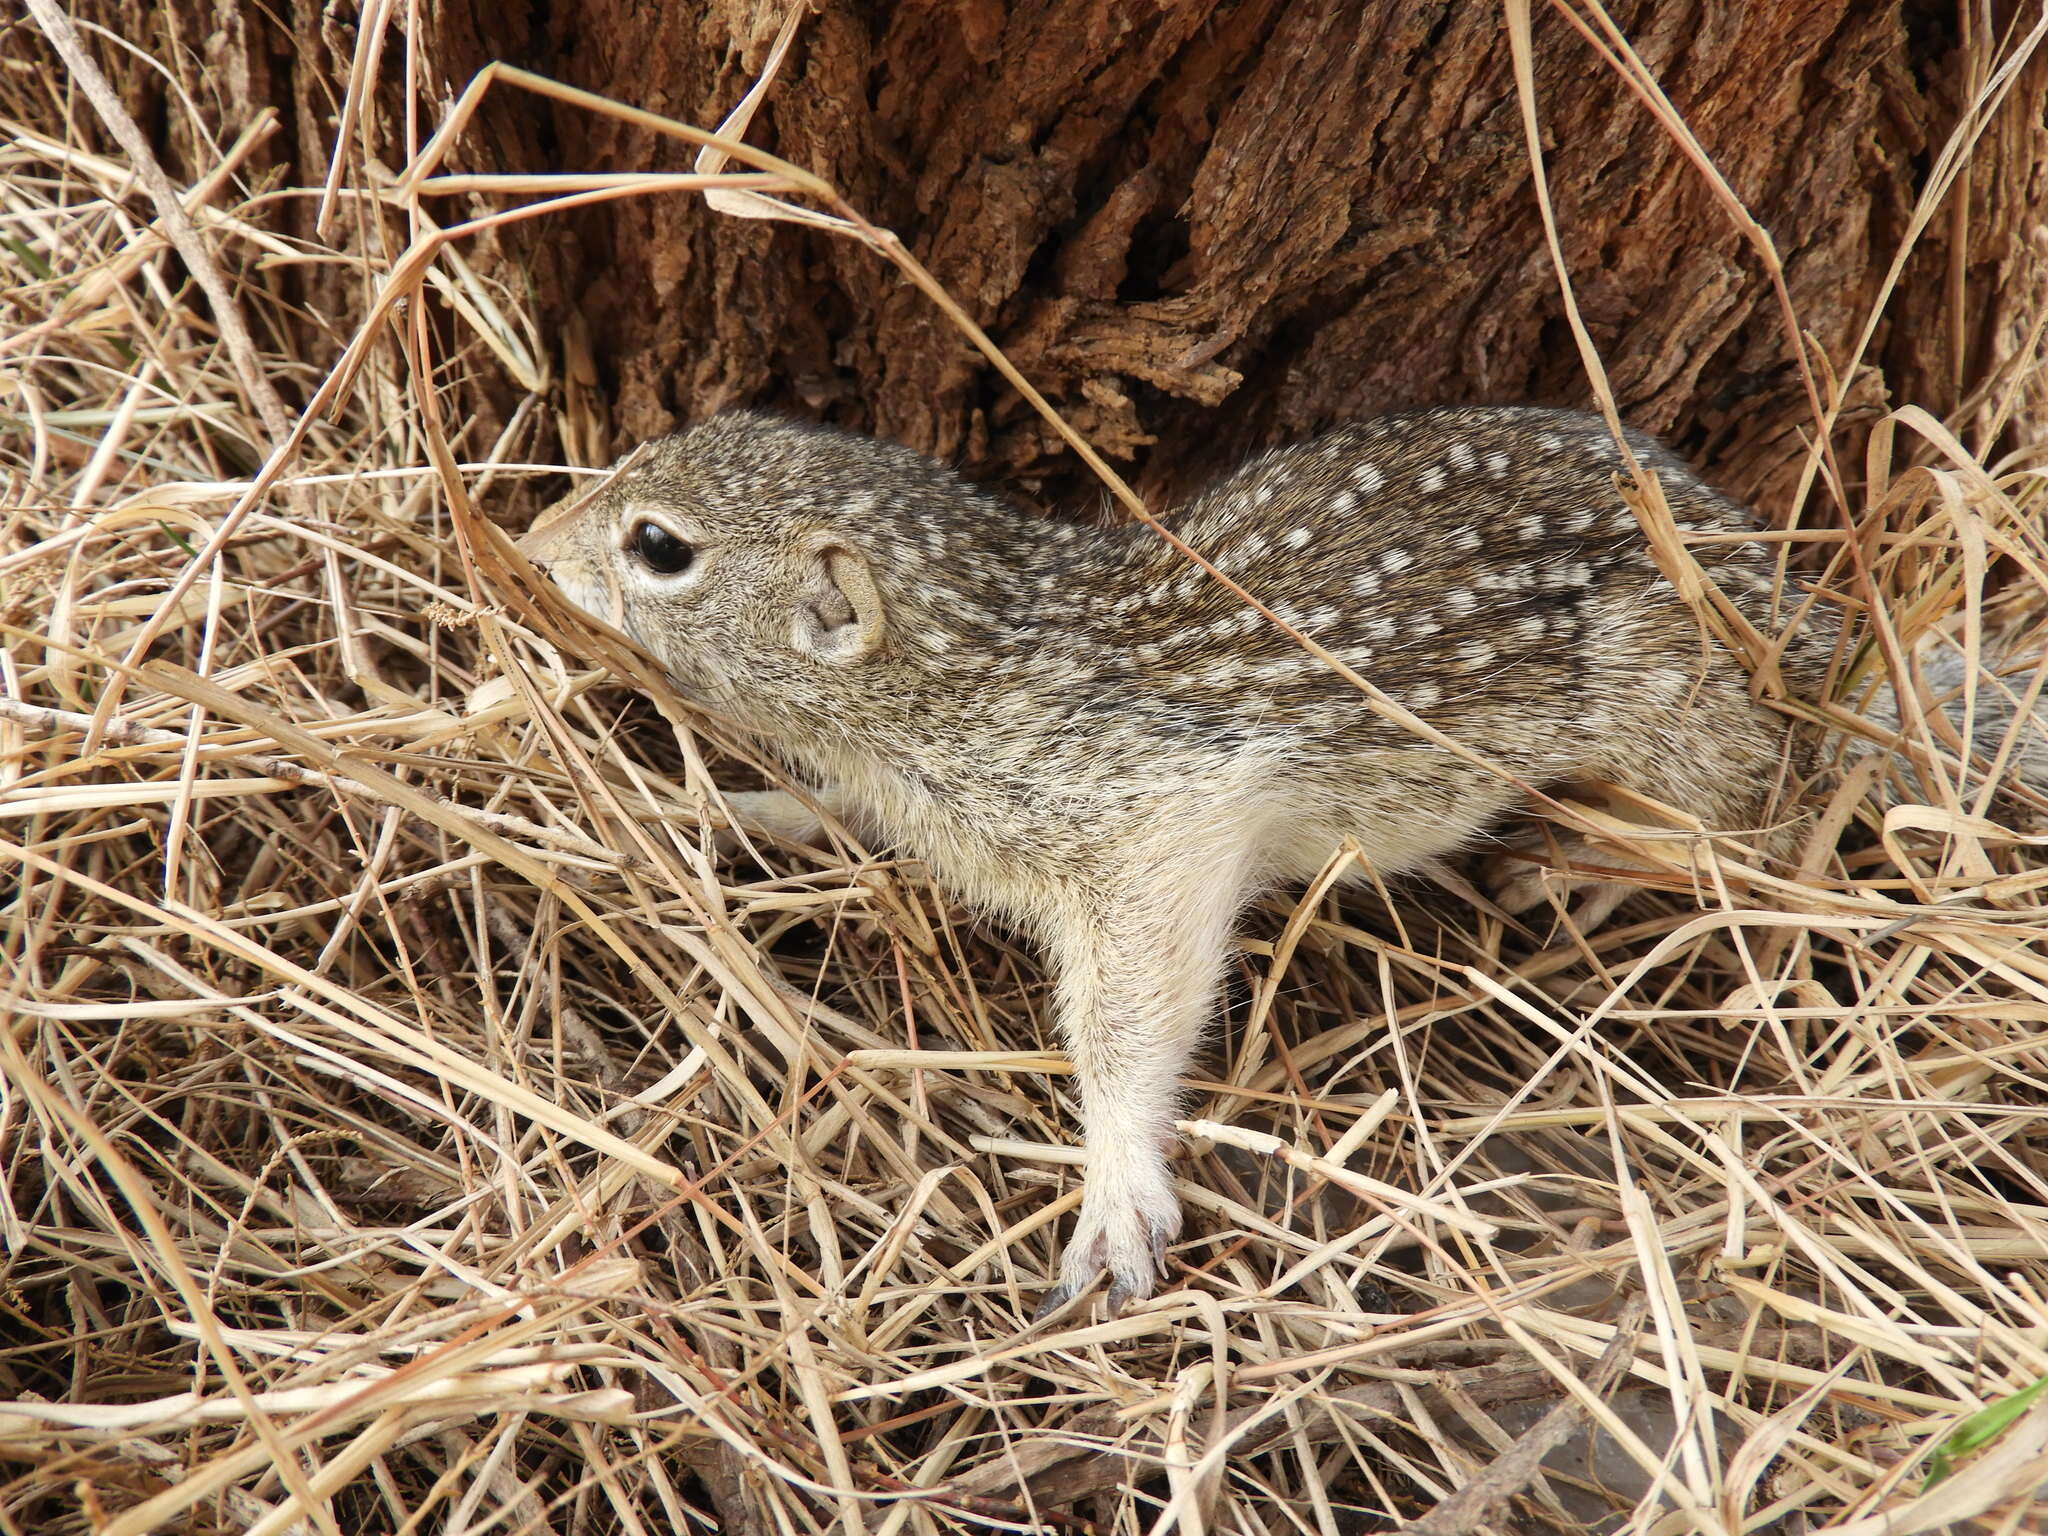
{"points": [[411, 1124]]}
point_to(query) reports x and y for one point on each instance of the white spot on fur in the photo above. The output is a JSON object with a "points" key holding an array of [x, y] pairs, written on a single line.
{"points": [[1368, 479], [1497, 463], [1299, 537], [1576, 574], [1476, 653], [1459, 601], [1396, 560], [1422, 696], [1432, 480], [1461, 457]]}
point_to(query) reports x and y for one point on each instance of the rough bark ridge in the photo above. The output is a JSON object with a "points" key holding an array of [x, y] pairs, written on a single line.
{"points": [[1201, 227], [1210, 226]]}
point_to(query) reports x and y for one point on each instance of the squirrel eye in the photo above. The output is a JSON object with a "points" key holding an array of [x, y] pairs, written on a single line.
{"points": [[660, 551]]}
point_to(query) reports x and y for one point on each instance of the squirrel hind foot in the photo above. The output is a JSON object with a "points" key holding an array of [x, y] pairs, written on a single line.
{"points": [[1520, 886]]}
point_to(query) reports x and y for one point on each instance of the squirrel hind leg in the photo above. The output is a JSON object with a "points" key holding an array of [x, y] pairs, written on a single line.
{"points": [[1520, 886], [1709, 766], [1584, 878]]}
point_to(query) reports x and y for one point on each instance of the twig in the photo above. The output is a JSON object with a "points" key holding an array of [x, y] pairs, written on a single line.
{"points": [[1473, 1504]]}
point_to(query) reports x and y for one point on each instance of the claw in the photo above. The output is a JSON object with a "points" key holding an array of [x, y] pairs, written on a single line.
{"points": [[1053, 1301], [1129, 1216]]}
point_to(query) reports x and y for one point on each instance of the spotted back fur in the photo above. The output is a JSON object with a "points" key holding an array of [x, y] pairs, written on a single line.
{"points": [[1080, 730]]}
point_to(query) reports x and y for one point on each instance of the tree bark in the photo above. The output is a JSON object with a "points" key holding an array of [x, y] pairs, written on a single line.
{"points": [[1204, 227]]}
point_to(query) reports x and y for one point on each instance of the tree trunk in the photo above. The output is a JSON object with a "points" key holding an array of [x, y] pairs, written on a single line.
{"points": [[1200, 228]]}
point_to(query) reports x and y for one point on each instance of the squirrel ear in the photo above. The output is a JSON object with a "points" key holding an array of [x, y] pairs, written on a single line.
{"points": [[839, 614]]}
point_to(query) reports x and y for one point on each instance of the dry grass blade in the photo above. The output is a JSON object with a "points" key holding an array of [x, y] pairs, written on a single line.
{"points": [[423, 1108]]}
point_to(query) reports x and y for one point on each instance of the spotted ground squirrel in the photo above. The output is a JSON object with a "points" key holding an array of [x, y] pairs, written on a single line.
{"points": [[1082, 732]]}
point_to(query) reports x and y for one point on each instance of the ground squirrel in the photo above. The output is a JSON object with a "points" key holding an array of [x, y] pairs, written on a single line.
{"points": [[1085, 734]]}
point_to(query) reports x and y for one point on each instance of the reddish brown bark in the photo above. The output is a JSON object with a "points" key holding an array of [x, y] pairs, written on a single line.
{"points": [[1202, 227]]}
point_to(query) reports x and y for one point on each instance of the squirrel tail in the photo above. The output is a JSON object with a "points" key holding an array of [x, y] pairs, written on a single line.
{"points": [[2006, 712]]}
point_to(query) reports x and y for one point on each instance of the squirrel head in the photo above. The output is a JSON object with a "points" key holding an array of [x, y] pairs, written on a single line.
{"points": [[734, 554]]}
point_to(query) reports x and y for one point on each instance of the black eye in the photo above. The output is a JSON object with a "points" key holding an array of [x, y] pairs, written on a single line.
{"points": [[659, 550]]}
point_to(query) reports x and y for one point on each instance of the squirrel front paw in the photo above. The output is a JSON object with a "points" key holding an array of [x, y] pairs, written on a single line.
{"points": [[1129, 1214], [776, 811], [779, 812]]}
